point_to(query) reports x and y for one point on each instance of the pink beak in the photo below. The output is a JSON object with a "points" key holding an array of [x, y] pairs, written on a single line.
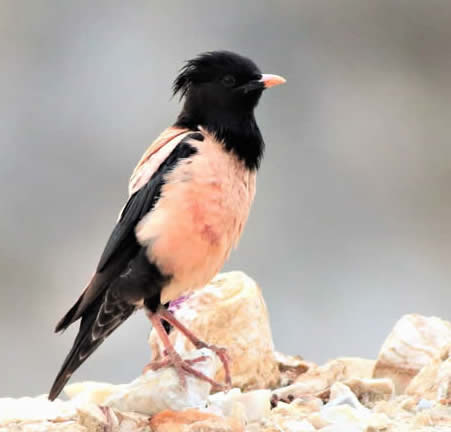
{"points": [[270, 80]]}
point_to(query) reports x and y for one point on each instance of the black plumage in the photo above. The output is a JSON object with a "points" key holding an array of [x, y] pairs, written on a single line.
{"points": [[221, 90], [124, 275]]}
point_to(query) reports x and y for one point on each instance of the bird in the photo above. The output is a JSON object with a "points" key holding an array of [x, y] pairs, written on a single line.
{"points": [[189, 199]]}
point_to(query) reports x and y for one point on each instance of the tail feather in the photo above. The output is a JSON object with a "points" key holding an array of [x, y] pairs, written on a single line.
{"points": [[97, 323], [95, 288]]}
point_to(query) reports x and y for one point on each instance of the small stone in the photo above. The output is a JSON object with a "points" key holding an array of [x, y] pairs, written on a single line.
{"points": [[341, 394], [346, 412], [40, 415], [425, 404], [34, 409], [341, 428], [369, 391], [434, 380], [193, 421], [345, 417], [90, 391], [299, 407], [343, 414], [296, 426], [414, 341], [318, 380], [287, 417], [248, 407], [229, 312], [290, 367]]}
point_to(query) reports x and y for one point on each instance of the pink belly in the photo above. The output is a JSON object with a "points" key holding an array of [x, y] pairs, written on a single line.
{"points": [[198, 219]]}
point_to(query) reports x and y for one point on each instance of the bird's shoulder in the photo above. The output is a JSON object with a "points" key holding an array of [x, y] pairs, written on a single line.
{"points": [[155, 154]]}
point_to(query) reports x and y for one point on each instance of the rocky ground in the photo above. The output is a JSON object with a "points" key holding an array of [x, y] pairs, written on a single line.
{"points": [[407, 388]]}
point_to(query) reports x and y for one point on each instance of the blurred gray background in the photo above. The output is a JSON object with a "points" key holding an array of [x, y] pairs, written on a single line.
{"points": [[351, 227]]}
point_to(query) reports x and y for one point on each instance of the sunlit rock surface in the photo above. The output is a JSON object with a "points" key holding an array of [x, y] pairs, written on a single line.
{"points": [[152, 392], [317, 380], [434, 380], [414, 341], [40, 415]]}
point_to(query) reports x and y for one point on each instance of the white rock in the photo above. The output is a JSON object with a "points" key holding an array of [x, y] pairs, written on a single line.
{"points": [[345, 412], [342, 428], [229, 312], [40, 415], [90, 392], [318, 380], [152, 392], [434, 380], [425, 404], [159, 390], [414, 341], [248, 407], [371, 390], [341, 394], [291, 367], [33, 409], [348, 418], [291, 425], [285, 417]]}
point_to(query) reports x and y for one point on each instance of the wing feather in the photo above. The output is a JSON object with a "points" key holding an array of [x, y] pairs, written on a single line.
{"points": [[122, 244]]}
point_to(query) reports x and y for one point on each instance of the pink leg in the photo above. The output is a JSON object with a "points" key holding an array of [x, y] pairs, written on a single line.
{"points": [[220, 352], [182, 367]]}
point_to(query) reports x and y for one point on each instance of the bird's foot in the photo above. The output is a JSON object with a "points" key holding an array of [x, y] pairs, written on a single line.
{"points": [[166, 362], [221, 352], [183, 369]]}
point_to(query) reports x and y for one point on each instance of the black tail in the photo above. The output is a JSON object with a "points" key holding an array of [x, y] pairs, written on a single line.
{"points": [[98, 321], [96, 287]]}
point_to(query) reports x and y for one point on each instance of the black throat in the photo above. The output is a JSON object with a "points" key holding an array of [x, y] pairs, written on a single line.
{"points": [[237, 130]]}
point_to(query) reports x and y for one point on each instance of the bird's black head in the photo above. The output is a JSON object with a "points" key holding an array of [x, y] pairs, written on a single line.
{"points": [[221, 90]]}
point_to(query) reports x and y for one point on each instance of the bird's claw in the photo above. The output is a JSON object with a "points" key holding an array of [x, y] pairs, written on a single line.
{"points": [[183, 368], [166, 362], [223, 356]]}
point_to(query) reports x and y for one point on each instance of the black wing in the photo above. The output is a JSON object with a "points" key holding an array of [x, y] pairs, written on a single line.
{"points": [[122, 245]]}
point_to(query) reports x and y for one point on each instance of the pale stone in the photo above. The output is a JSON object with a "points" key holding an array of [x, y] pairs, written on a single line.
{"points": [[300, 408], [229, 312], [153, 391], [193, 421], [156, 391], [286, 417], [248, 407], [414, 341], [371, 390], [343, 428], [32, 409], [345, 412], [90, 391], [406, 417], [425, 404], [341, 394], [318, 380], [434, 380], [345, 417], [40, 415], [290, 367]]}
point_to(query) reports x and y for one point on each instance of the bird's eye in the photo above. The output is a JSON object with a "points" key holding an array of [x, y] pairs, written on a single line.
{"points": [[229, 80]]}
